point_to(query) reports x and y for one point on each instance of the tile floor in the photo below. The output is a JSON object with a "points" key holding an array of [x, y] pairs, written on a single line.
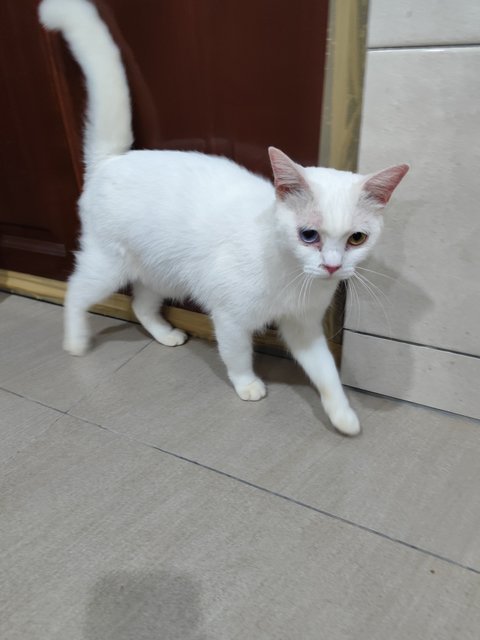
{"points": [[140, 499]]}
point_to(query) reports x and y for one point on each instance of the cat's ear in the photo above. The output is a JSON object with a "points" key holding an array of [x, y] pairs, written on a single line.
{"points": [[288, 176], [380, 186]]}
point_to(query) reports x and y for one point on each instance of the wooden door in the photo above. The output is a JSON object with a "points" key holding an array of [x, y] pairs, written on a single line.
{"points": [[218, 76], [38, 183]]}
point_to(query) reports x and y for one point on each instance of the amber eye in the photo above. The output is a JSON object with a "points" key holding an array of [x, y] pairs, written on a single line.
{"points": [[356, 239]]}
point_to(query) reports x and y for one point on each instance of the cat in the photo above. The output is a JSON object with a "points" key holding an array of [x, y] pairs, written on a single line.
{"points": [[178, 224]]}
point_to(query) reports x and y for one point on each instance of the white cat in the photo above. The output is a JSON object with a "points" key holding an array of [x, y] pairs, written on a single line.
{"points": [[183, 224]]}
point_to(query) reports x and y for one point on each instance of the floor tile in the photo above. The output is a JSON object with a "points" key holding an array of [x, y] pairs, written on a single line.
{"points": [[413, 474], [32, 361], [106, 539], [20, 422]]}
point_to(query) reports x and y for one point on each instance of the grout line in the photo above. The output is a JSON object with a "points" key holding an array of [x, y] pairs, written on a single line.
{"points": [[67, 411], [287, 498], [413, 344], [134, 355], [113, 372], [430, 47], [41, 404], [418, 405], [35, 436]]}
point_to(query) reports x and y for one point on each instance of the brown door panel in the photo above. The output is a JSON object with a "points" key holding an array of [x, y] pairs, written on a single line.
{"points": [[39, 189], [228, 77]]}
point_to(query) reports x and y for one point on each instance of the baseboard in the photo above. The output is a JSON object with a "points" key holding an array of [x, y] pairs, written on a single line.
{"points": [[424, 375], [119, 306]]}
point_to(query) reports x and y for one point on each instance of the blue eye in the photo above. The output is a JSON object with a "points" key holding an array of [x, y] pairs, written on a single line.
{"points": [[310, 236]]}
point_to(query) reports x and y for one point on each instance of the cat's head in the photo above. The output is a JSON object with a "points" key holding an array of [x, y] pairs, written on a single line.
{"points": [[330, 219]]}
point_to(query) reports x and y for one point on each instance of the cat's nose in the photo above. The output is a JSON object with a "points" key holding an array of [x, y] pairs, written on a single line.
{"points": [[331, 268]]}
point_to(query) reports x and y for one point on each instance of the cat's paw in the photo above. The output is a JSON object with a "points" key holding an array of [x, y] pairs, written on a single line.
{"points": [[253, 391], [341, 415], [172, 338], [345, 420], [76, 347]]}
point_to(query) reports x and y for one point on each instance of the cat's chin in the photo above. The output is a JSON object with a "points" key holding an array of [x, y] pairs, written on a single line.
{"points": [[345, 274], [341, 274]]}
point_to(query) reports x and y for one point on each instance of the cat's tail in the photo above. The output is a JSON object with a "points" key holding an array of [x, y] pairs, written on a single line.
{"points": [[108, 129]]}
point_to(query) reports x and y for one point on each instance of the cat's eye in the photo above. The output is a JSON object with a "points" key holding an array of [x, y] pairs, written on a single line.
{"points": [[310, 236], [356, 239]]}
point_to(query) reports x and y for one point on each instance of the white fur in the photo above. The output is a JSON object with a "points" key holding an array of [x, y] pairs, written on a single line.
{"points": [[183, 224], [108, 128]]}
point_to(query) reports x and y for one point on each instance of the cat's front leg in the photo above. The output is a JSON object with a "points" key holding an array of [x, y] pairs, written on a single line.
{"points": [[309, 347], [235, 346]]}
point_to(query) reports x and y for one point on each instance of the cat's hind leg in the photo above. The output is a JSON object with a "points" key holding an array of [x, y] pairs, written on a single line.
{"points": [[146, 305], [235, 346], [95, 277]]}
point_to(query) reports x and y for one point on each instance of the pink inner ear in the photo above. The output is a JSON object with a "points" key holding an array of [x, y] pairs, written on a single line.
{"points": [[381, 185], [287, 175]]}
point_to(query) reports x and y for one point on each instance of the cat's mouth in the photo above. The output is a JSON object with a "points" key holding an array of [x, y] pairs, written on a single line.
{"points": [[322, 272]]}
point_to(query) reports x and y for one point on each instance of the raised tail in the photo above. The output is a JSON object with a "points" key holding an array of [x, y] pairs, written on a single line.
{"points": [[108, 129]]}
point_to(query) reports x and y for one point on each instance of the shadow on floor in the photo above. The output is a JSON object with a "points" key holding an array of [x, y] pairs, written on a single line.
{"points": [[121, 332], [145, 606]]}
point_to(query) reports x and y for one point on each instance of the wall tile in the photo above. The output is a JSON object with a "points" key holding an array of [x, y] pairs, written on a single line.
{"points": [[422, 106], [427, 376], [423, 22]]}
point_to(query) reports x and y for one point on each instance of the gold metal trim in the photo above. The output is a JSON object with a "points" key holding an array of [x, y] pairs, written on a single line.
{"points": [[342, 107], [343, 85]]}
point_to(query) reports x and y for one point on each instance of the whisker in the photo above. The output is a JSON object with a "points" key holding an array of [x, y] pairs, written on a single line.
{"points": [[398, 281], [367, 285], [309, 289], [355, 302], [378, 273], [305, 296], [299, 273], [375, 287], [336, 332], [376, 299], [301, 294]]}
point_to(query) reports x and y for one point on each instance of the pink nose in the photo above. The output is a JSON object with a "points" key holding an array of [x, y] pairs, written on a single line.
{"points": [[331, 268]]}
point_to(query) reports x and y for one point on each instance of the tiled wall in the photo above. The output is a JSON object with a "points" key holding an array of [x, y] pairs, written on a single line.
{"points": [[419, 337]]}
